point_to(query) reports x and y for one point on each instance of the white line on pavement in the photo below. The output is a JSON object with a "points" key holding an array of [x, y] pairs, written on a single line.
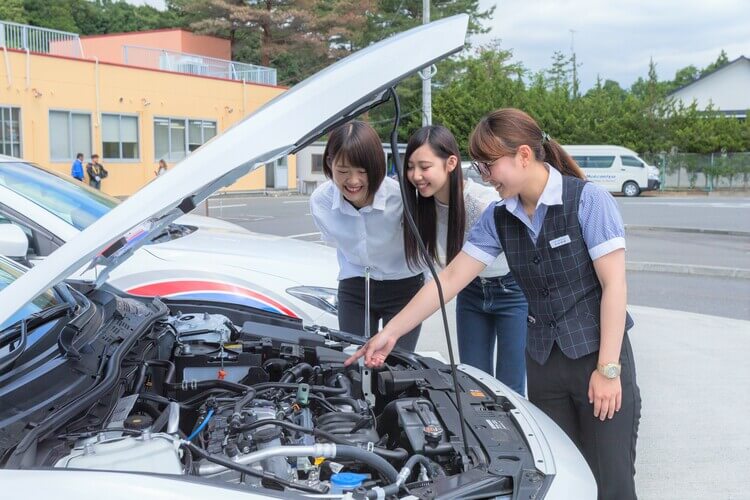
{"points": [[235, 205], [302, 235], [295, 201]]}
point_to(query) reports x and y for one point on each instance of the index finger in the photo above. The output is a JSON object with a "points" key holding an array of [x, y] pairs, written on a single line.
{"points": [[358, 354]]}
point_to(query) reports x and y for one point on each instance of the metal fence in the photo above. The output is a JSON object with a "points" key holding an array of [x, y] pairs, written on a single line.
{"points": [[708, 172], [35, 39], [195, 64]]}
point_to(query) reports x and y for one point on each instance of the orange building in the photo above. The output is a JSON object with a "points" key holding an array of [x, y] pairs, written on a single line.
{"points": [[69, 95]]}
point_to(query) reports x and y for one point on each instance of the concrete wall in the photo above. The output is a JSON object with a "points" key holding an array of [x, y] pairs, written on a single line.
{"points": [[59, 83], [109, 47]]}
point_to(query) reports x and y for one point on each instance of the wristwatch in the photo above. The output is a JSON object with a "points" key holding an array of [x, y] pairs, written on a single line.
{"points": [[610, 370]]}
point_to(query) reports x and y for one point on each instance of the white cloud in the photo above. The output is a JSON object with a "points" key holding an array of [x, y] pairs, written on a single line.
{"points": [[616, 39]]}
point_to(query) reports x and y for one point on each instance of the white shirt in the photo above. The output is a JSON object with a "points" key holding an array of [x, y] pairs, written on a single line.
{"points": [[476, 198], [369, 237]]}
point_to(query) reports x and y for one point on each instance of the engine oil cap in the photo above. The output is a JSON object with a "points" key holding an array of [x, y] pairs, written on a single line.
{"points": [[347, 481]]}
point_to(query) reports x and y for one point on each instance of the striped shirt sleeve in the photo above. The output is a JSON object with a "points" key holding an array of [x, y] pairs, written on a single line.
{"points": [[601, 222]]}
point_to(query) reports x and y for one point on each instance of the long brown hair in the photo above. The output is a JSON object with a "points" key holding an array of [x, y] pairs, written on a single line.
{"points": [[503, 131], [359, 144], [444, 145]]}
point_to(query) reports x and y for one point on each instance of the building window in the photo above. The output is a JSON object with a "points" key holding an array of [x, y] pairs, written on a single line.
{"points": [[174, 138], [69, 134], [10, 131], [119, 137], [317, 163], [199, 132], [594, 161]]}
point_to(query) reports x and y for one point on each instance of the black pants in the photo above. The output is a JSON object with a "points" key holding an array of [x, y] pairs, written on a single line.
{"points": [[560, 389], [387, 298]]}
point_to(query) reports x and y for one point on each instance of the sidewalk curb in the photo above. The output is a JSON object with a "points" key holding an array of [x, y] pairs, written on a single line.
{"points": [[695, 230], [715, 271]]}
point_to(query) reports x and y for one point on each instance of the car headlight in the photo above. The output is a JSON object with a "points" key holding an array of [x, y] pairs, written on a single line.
{"points": [[317, 296]]}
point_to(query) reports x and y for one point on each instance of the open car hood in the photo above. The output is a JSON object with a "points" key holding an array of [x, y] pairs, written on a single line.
{"points": [[281, 127]]}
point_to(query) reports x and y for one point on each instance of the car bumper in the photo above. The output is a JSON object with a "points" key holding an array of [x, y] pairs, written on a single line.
{"points": [[554, 453], [653, 184]]}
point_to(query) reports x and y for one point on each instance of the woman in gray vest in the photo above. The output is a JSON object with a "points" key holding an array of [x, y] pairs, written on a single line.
{"points": [[491, 311], [564, 242]]}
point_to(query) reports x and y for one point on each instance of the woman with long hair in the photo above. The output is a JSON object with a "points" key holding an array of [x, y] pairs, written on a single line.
{"points": [[491, 311]]}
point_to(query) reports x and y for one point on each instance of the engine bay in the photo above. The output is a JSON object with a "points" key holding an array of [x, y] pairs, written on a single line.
{"points": [[244, 399]]}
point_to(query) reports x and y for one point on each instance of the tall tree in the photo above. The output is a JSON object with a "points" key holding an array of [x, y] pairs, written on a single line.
{"points": [[298, 37], [718, 63]]}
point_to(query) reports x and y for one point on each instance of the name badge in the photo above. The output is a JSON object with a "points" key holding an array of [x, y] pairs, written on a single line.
{"points": [[558, 242]]}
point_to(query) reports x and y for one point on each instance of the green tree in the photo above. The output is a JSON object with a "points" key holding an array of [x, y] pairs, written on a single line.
{"points": [[720, 61], [13, 11]]}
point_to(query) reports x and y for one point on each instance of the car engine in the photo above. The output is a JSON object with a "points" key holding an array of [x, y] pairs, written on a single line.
{"points": [[258, 401]]}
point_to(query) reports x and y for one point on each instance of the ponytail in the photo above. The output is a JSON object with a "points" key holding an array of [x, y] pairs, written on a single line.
{"points": [[503, 131]]}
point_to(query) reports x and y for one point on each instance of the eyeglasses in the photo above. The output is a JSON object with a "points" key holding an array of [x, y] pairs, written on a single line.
{"points": [[482, 167]]}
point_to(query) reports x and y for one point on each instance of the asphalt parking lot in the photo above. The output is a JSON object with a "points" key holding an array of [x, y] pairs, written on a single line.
{"points": [[691, 338], [698, 270]]}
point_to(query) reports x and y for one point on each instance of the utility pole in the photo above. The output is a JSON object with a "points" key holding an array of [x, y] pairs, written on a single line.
{"points": [[573, 60], [426, 75]]}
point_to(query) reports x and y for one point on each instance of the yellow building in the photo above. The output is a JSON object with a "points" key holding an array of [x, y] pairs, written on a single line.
{"points": [[53, 106]]}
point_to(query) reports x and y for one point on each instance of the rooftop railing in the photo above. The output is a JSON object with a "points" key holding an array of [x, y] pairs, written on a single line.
{"points": [[43, 40], [195, 64]]}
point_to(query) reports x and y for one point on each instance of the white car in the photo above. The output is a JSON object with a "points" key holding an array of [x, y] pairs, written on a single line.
{"points": [[103, 393], [196, 257]]}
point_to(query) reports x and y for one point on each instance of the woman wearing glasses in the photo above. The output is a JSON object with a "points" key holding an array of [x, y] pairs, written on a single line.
{"points": [[492, 309], [564, 241]]}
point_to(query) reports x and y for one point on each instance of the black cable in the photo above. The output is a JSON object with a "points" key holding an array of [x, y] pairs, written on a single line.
{"points": [[415, 231], [230, 464]]}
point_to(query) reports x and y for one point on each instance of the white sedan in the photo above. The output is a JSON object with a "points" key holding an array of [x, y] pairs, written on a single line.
{"points": [[194, 258]]}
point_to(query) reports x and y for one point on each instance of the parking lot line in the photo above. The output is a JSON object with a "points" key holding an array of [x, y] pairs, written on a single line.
{"points": [[302, 235]]}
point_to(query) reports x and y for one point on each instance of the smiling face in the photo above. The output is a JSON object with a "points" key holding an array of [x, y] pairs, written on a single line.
{"points": [[430, 174], [507, 175], [352, 182]]}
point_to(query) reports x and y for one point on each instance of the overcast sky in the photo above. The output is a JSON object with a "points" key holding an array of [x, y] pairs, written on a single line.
{"points": [[616, 38]]}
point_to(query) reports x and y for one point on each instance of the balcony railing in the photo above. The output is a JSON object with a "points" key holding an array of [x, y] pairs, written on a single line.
{"points": [[35, 39], [195, 64]]}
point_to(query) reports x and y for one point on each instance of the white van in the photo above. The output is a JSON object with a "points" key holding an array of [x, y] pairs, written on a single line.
{"points": [[615, 168]]}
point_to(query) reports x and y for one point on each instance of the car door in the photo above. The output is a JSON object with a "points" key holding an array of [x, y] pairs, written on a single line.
{"points": [[634, 169]]}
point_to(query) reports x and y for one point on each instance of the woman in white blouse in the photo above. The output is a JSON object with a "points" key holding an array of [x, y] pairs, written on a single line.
{"points": [[491, 311], [359, 211]]}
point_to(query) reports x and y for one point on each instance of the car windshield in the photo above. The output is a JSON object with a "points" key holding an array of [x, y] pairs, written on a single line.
{"points": [[9, 272], [72, 201]]}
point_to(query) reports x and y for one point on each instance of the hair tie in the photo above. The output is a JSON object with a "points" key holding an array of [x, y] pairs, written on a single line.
{"points": [[545, 137]]}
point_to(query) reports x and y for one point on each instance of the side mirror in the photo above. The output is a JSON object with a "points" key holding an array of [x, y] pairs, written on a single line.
{"points": [[13, 241]]}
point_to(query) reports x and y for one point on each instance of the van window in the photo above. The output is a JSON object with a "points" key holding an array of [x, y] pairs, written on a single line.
{"points": [[594, 161], [631, 161]]}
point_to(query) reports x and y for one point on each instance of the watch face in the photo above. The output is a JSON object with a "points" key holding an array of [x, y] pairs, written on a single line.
{"points": [[611, 371]]}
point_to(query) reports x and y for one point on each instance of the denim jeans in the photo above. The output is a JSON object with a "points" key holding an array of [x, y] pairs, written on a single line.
{"points": [[493, 311]]}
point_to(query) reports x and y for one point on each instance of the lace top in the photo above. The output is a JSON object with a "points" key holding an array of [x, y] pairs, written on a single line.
{"points": [[476, 198]]}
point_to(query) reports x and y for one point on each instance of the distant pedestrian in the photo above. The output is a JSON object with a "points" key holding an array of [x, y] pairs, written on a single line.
{"points": [[76, 170], [162, 168], [96, 172]]}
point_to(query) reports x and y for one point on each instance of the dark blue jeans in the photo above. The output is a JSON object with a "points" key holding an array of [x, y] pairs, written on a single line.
{"points": [[493, 311]]}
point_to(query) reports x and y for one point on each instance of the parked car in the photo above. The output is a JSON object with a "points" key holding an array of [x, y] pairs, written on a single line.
{"points": [[104, 392], [198, 257], [615, 168]]}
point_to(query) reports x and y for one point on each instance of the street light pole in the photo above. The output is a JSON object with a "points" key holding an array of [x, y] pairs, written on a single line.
{"points": [[426, 75]]}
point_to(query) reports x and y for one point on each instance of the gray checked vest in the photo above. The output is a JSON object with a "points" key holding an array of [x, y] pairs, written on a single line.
{"points": [[560, 283]]}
